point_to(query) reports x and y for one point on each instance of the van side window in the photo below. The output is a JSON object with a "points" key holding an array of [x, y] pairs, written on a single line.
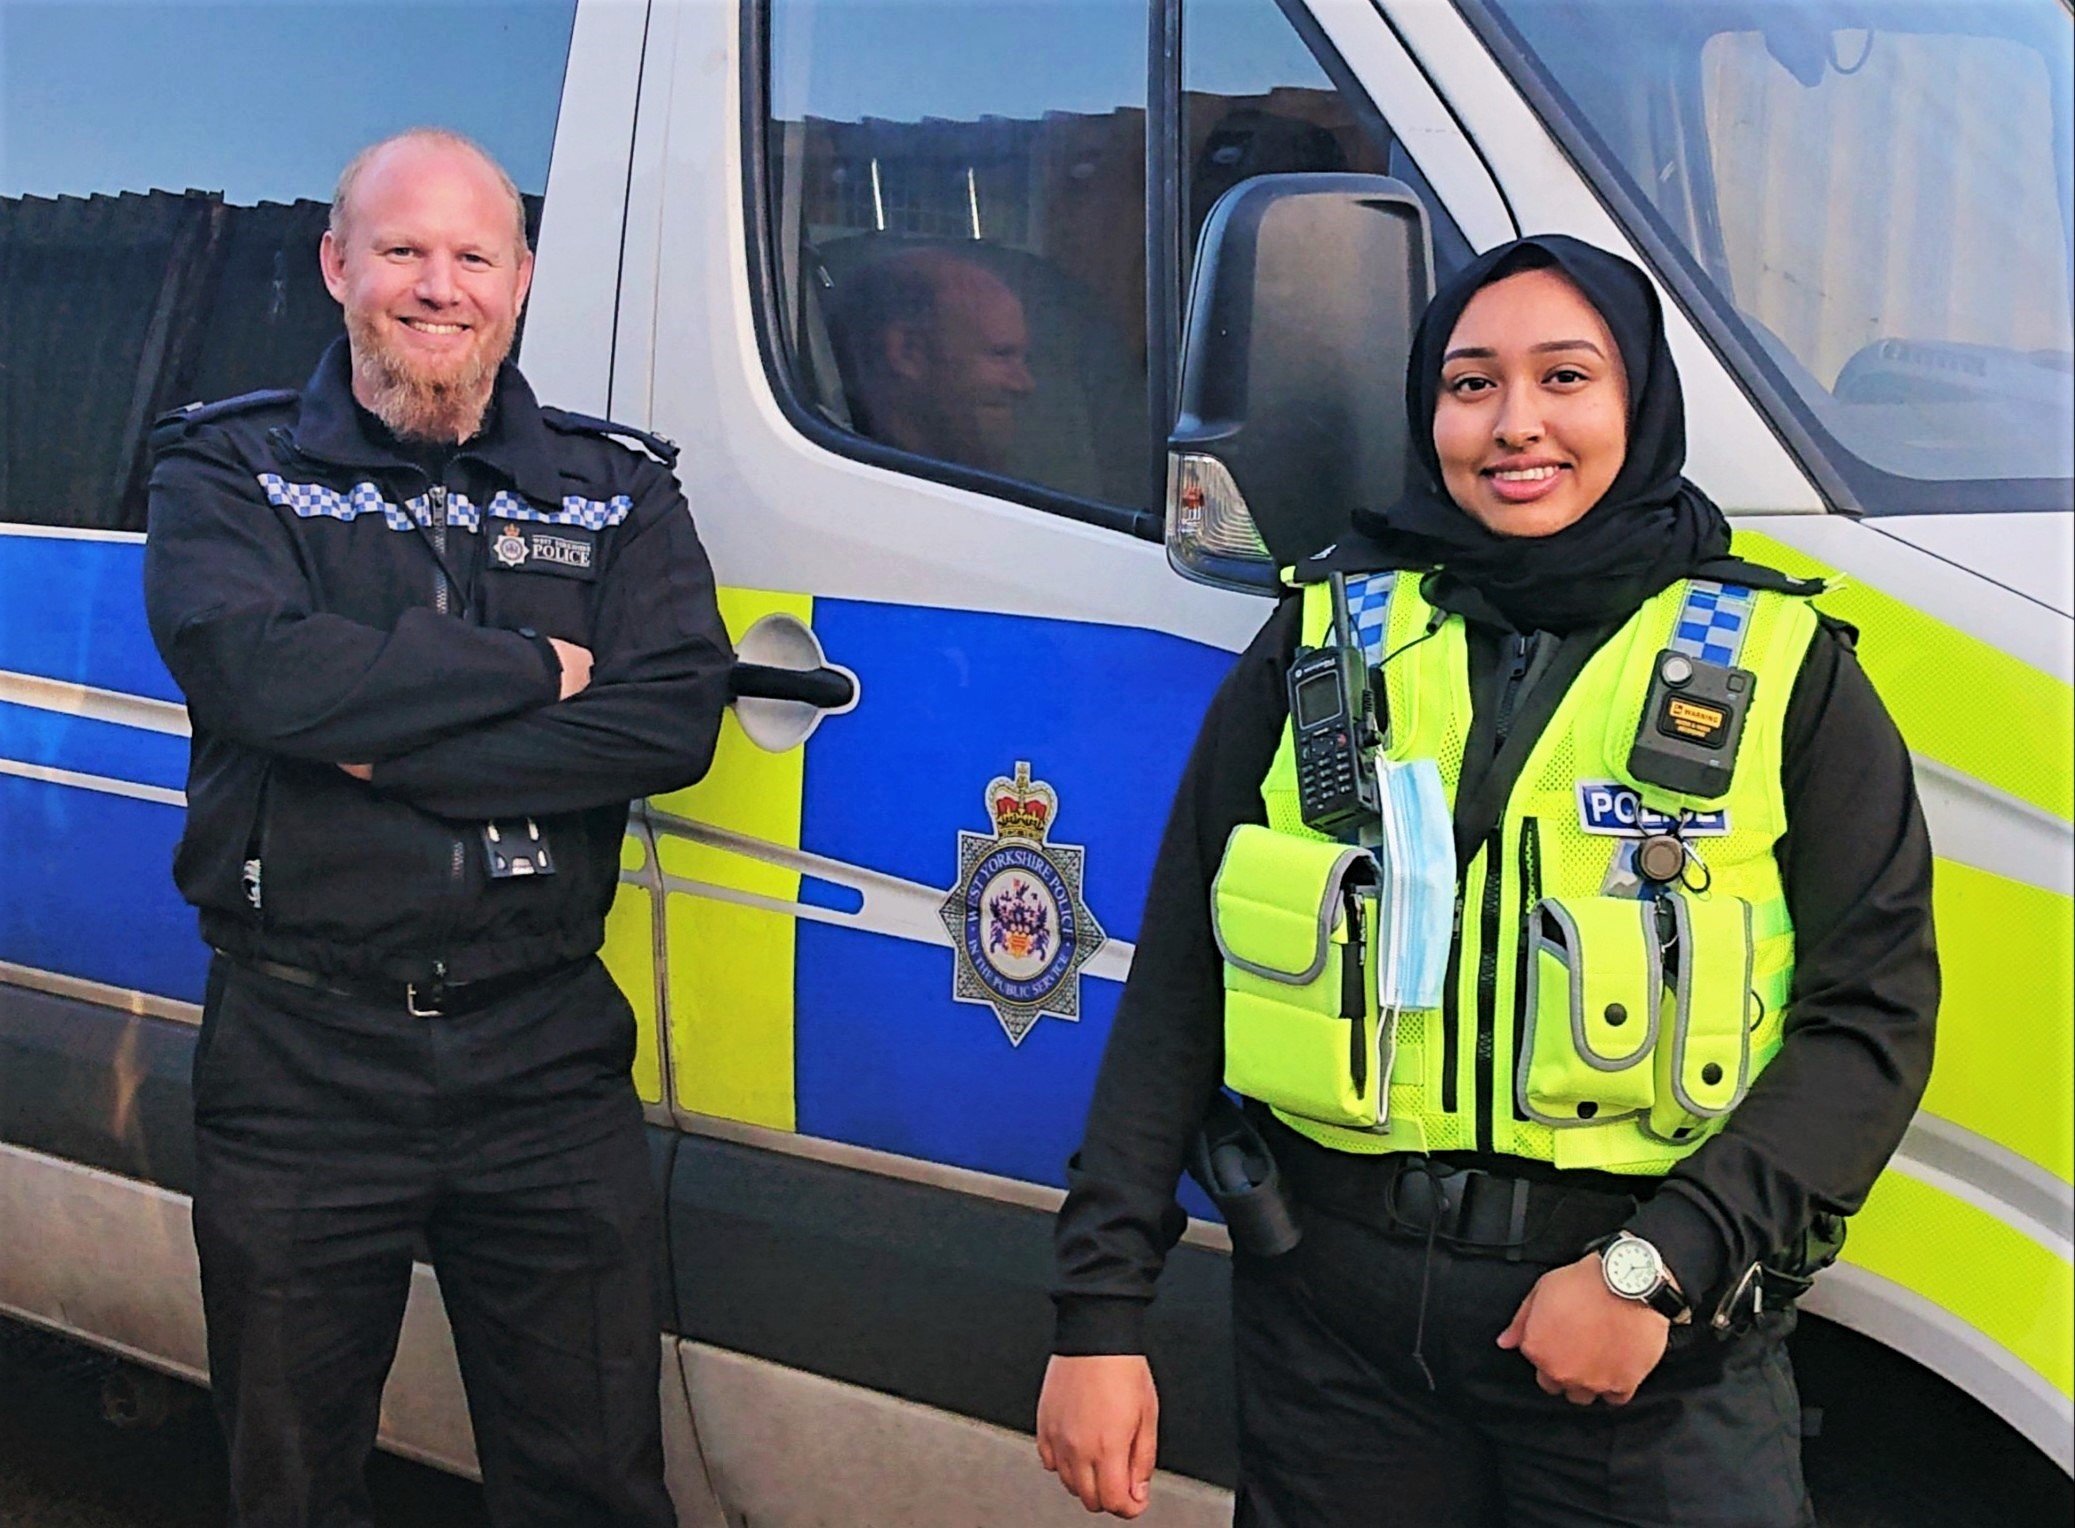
{"points": [[957, 210], [124, 291], [1256, 102]]}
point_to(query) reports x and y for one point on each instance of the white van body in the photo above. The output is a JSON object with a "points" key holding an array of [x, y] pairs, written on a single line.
{"points": [[811, 1043]]}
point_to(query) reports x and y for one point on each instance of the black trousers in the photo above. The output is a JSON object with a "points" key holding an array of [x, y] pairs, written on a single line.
{"points": [[1339, 1429], [335, 1138]]}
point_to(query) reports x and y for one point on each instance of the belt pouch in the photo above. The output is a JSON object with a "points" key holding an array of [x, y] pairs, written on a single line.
{"points": [[1593, 982], [1703, 1059], [1295, 919]]}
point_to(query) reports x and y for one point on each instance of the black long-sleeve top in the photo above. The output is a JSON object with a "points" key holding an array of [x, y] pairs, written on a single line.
{"points": [[325, 594], [1813, 1133]]}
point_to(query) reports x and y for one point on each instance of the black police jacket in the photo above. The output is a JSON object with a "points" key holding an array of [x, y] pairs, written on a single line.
{"points": [[321, 600]]}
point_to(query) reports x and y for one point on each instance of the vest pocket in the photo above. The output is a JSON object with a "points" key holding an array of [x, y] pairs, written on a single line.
{"points": [[1295, 920], [1594, 978], [1703, 1062]]}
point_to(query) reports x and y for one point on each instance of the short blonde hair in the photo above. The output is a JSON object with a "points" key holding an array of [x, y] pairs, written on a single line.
{"points": [[445, 136]]}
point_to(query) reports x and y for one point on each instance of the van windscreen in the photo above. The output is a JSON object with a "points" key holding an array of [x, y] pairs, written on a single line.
{"points": [[1866, 203]]}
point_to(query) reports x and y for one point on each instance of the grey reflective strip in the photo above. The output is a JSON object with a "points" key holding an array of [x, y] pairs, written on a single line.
{"points": [[1683, 927], [1653, 983], [1523, 1063], [1328, 906]]}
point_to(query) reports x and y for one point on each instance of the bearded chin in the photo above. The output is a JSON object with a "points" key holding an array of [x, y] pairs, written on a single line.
{"points": [[417, 404]]}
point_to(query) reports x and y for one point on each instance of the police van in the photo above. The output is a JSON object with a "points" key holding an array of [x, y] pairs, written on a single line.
{"points": [[908, 281]]}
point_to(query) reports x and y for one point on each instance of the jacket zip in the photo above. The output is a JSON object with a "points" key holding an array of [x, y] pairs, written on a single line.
{"points": [[439, 545], [457, 856], [1451, 1005], [1530, 894], [1494, 892], [1488, 979]]}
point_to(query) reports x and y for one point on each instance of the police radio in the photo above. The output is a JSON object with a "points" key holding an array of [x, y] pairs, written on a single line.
{"points": [[1691, 725], [1333, 719]]}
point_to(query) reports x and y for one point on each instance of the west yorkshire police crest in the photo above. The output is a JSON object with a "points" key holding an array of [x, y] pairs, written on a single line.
{"points": [[1020, 932], [510, 546]]}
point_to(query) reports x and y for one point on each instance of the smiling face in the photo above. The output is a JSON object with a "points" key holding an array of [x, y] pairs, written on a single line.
{"points": [[1531, 423], [947, 379], [431, 269]]}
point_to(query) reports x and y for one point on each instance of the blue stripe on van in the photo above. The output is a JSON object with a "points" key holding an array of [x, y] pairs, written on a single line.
{"points": [[92, 879], [884, 1056], [75, 610], [30, 735]]}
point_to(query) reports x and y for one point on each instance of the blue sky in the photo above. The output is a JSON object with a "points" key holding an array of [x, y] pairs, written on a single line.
{"points": [[266, 99], [272, 96]]}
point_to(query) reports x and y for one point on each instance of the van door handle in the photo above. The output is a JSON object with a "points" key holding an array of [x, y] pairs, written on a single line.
{"points": [[783, 684], [826, 689]]}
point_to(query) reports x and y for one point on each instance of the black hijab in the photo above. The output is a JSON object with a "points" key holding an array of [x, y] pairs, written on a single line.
{"points": [[1651, 527]]}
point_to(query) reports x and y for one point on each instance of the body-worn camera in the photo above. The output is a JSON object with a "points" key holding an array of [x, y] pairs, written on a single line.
{"points": [[1692, 722]]}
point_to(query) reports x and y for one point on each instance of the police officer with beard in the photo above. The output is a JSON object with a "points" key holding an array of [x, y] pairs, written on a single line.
{"points": [[433, 638]]}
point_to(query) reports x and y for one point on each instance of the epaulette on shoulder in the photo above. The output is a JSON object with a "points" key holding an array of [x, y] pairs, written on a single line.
{"points": [[662, 448], [1756, 575], [174, 424], [1844, 631]]}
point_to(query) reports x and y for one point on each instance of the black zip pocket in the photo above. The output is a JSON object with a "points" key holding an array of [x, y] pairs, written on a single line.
{"points": [[1354, 998]]}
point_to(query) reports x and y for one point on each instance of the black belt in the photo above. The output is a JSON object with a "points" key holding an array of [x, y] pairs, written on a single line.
{"points": [[430, 999], [1469, 1210]]}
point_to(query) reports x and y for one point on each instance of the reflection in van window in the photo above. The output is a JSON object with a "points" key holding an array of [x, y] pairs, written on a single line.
{"points": [[1876, 194], [1255, 102], [158, 245], [958, 206]]}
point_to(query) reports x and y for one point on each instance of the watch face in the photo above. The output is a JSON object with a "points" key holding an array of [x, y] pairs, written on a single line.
{"points": [[1632, 1269]]}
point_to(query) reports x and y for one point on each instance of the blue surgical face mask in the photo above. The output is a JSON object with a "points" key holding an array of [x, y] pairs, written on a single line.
{"points": [[1417, 858]]}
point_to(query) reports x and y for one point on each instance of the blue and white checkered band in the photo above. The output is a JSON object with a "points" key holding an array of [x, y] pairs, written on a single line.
{"points": [[591, 514], [312, 501], [1712, 624], [1368, 608]]}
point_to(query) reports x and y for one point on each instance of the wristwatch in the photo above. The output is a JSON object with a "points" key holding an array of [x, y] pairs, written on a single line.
{"points": [[1635, 1270]]}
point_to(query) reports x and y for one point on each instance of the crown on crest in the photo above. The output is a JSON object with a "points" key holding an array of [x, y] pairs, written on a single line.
{"points": [[1020, 807]]}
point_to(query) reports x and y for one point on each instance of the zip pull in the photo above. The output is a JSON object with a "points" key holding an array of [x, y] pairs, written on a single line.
{"points": [[1516, 671]]}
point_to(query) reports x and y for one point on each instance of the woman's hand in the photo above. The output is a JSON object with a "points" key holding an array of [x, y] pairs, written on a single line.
{"points": [[1587, 1343], [1098, 1423]]}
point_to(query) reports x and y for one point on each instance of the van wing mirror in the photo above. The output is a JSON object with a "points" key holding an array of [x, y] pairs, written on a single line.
{"points": [[1292, 410]]}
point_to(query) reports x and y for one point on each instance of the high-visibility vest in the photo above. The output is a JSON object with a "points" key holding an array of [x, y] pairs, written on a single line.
{"points": [[1589, 1018]]}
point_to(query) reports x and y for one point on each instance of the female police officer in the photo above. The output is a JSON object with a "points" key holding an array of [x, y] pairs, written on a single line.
{"points": [[1686, 1013]]}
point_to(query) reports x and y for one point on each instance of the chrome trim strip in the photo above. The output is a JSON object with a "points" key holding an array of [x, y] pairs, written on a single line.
{"points": [[1973, 823], [1968, 1192], [886, 1164], [146, 1304], [117, 706], [163, 795], [1035, 1196], [787, 1448], [71, 533], [890, 905], [1999, 1175], [124, 999], [1941, 1342]]}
